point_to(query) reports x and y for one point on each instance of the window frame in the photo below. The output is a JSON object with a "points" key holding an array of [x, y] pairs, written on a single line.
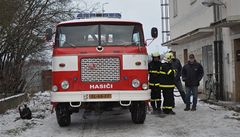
{"points": [[136, 25], [175, 8]]}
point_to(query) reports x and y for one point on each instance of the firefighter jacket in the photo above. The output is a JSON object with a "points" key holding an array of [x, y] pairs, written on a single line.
{"points": [[153, 70], [166, 76]]}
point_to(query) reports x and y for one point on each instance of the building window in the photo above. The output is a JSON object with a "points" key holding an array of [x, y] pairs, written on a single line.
{"points": [[175, 8], [192, 1]]}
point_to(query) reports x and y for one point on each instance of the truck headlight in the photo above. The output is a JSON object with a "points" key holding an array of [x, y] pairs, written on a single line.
{"points": [[144, 86], [54, 88], [65, 84], [135, 83]]}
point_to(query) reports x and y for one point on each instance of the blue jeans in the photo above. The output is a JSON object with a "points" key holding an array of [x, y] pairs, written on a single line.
{"points": [[191, 91]]}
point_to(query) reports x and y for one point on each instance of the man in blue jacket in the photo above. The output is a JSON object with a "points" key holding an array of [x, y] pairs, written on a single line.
{"points": [[192, 74]]}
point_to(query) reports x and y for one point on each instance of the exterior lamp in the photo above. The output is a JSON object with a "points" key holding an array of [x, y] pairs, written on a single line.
{"points": [[103, 7], [209, 3]]}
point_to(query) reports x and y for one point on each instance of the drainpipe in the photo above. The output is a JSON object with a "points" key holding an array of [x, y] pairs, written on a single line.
{"points": [[218, 56]]}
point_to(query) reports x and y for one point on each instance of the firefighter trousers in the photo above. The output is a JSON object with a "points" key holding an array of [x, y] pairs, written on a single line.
{"points": [[168, 100], [155, 98]]}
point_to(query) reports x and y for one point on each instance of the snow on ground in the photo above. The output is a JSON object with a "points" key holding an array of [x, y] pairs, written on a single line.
{"points": [[12, 125], [207, 121]]}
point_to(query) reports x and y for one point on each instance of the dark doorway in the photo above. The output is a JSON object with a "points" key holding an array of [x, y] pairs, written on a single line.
{"points": [[236, 95]]}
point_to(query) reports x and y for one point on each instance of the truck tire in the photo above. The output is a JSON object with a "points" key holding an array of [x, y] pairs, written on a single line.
{"points": [[138, 112], [63, 115]]}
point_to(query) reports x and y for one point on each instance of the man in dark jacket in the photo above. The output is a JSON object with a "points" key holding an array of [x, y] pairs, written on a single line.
{"points": [[192, 74], [178, 68], [153, 69]]}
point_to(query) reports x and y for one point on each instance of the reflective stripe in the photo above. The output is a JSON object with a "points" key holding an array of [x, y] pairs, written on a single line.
{"points": [[163, 86], [167, 107], [162, 72], [152, 84], [169, 71], [155, 99], [167, 86], [153, 71]]}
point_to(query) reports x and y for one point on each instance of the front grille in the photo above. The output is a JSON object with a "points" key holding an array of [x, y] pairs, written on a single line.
{"points": [[100, 69]]}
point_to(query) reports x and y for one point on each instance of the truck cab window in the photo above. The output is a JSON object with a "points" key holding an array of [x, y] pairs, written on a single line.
{"points": [[94, 35]]}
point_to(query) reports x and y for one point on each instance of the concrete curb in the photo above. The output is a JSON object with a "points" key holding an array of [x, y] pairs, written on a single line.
{"points": [[235, 106]]}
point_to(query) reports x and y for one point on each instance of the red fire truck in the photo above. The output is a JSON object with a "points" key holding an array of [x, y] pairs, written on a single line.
{"points": [[99, 62]]}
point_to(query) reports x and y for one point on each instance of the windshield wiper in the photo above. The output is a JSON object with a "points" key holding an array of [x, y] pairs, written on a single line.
{"points": [[70, 44]]}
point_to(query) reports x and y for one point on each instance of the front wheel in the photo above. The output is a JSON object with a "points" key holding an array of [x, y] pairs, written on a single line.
{"points": [[63, 115], [138, 112]]}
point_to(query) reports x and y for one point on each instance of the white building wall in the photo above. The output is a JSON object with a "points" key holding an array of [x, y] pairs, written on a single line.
{"points": [[228, 63], [189, 17], [232, 7], [194, 16], [194, 47]]}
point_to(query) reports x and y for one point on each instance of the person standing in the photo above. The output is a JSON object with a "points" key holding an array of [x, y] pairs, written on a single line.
{"points": [[153, 69], [192, 74], [178, 67], [167, 85]]}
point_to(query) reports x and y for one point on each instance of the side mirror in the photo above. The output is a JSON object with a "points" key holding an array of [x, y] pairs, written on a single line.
{"points": [[48, 34], [154, 32]]}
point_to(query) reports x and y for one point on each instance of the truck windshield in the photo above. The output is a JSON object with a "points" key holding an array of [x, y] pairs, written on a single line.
{"points": [[94, 35]]}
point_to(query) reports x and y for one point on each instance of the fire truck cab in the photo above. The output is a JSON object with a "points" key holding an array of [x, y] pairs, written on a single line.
{"points": [[100, 63]]}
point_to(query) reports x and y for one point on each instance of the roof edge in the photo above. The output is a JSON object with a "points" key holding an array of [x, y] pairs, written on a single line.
{"points": [[97, 19], [186, 35], [227, 22]]}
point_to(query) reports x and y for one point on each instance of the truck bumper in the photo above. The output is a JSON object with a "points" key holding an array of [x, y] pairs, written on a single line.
{"points": [[101, 96]]}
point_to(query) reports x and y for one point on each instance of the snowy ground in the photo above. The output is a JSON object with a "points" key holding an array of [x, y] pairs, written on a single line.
{"points": [[207, 121]]}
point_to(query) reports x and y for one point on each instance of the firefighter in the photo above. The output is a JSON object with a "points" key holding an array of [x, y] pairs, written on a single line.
{"points": [[166, 83], [153, 68]]}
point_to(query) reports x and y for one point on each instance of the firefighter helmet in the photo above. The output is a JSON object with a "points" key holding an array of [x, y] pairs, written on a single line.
{"points": [[155, 54], [171, 52], [168, 57]]}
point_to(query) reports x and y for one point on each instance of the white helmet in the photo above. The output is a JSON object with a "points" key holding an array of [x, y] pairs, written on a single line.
{"points": [[168, 57], [155, 54]]}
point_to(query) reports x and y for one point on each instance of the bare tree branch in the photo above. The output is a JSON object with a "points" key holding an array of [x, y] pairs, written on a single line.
{"points": [[22, 27]]}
